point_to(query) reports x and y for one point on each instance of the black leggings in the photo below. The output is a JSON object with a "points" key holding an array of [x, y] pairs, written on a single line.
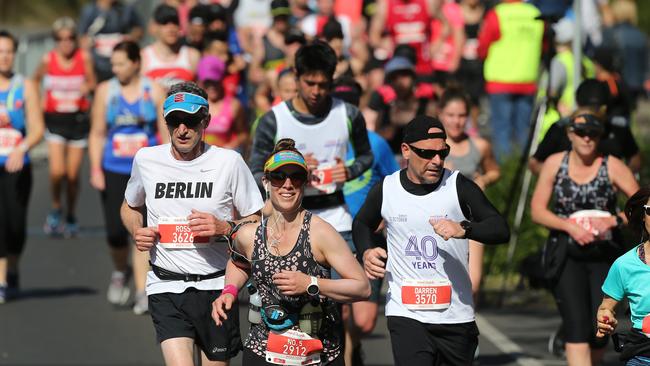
{"points": [[15, 189], [578, 295], [112, 198]]}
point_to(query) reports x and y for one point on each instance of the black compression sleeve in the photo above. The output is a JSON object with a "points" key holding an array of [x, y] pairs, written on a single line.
{"points": [[263, 143], [367, 221], [486, 223], [363, 156]]}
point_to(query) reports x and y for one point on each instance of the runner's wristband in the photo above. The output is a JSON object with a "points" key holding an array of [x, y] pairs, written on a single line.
{"points": [[230, 289]]}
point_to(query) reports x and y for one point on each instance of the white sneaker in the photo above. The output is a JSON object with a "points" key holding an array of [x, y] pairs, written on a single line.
{"points": [[118, 290], [141, 305]]}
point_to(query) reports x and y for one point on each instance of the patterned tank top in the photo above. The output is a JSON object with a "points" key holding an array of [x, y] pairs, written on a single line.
{"points": [[570, 197], [300, 259]]}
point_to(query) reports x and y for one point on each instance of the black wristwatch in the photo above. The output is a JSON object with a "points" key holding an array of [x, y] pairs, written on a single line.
{"points": [[312, 288], [467, 226]]}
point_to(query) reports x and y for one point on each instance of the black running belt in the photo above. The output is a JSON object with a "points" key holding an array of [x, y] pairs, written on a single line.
{"points": [[323, 201], [164, 274]]}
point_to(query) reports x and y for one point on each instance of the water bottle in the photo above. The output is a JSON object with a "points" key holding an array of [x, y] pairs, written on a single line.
{"points": [[311, 315], [254, 305]]}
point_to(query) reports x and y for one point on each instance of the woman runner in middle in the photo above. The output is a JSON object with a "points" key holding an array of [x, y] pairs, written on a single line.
{"points": [[289, 256]]}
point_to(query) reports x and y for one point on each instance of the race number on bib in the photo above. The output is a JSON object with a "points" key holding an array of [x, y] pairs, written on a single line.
{"points": [[584, 218], [426, 294], [292, 347], [323, 179], [126, 145], [175, 233], [9, 139]]}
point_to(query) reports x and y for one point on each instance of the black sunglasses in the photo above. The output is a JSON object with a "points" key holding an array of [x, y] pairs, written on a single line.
{"points": [[277, 178], [174, 122], [592, 132], [430, 154], [646, 208]]}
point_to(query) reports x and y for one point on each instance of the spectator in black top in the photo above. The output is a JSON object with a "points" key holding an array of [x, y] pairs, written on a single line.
{"points": [[592, 97]]}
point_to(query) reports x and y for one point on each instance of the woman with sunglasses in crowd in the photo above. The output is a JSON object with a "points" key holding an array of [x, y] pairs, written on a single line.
{"points": [[585, 232], [126, 115], [68, 79], [629, 278], [472, 157], [289, 257]]}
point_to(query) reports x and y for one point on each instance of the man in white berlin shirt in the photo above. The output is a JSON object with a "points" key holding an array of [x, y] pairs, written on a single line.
{"points": [[191, 191]]}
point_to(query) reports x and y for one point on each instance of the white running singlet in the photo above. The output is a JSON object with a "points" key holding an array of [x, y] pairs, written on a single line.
{"points": [[421, 265], [218, 182], [327, 141]]}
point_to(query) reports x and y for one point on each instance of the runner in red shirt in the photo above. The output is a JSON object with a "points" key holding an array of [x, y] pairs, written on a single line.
{"points": [[407, 22], [167, 61], [66, 73]]}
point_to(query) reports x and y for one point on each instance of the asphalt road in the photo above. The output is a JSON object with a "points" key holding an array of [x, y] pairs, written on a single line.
{"points": [[62, 317]]}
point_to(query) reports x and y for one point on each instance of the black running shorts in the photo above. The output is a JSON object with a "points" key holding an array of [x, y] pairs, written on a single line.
{"points": [[188, 315], [419, 344], [112, 197], [67, 128]]}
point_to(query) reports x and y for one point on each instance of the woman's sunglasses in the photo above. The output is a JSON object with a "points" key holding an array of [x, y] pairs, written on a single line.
{"points": [[430, 154], [586, 131], [277, 178]]}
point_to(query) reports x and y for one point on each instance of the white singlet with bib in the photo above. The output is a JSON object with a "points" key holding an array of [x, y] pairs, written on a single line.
{"points": [[427, 276], [327, 141]]}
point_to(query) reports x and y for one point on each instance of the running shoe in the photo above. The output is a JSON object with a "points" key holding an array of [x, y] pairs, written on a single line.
{"points": [[118, 290], [13, 285], [53, 225], [141, 305], [71, 227], [556, 343], [3, 294]]}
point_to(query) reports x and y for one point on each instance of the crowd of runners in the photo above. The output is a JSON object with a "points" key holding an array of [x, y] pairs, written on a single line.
{"points": [[310, 150]]}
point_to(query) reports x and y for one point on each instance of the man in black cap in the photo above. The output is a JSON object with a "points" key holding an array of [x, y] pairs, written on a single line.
{"points": [[430, 213], [592, 97]]}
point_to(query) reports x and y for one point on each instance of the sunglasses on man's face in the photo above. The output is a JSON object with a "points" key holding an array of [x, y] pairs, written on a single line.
{"points": [[430, 154], [646, 208], [188, 122], [277, 178], [582, 131]]}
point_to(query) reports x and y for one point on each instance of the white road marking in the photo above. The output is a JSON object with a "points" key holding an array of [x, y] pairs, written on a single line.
{"points": [[504, 344]]}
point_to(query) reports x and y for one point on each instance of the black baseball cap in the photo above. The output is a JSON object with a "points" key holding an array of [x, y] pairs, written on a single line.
{"points": [[586, 120], [592, 93], [164, 14], [216, 12], [348, 90], [198, 14], [420, 129], [280, 8], [294, 35]]}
